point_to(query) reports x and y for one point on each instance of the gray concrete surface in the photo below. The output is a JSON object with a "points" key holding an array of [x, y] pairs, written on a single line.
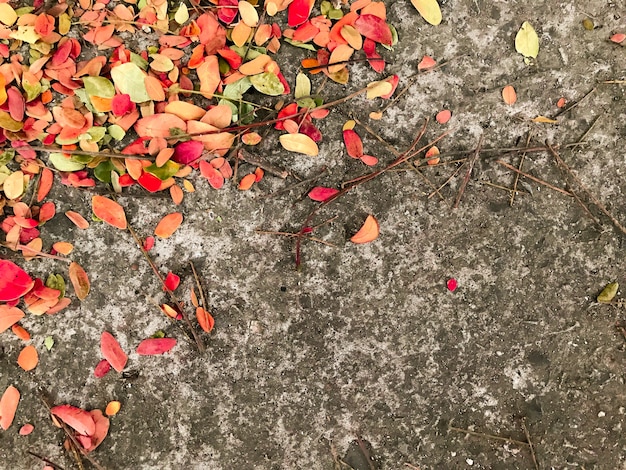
{"points": [[366, 340]]}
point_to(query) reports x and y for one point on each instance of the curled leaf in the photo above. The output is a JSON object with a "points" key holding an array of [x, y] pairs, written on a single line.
{"points": [[205, 319], [78, 419], [368, 232]]}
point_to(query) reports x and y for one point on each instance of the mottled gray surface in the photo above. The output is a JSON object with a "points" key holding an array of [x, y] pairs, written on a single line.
{"points": [[366, 340]]}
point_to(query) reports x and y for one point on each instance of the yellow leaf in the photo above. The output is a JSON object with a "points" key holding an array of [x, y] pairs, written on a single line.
{"points": [[378, 89], [429, 9], [26, 34], [545, 120], [300, 143], [527, 41], [341, 53], [182, 14], [14, 185], [7, 14], [608, 293], [248, 14], [303, 86], [349, 125], [112, 408]]}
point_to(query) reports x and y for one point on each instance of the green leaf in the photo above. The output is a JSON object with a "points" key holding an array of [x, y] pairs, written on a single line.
{"points": [[116, 132], [99, 86], [48, 342], [299, 44], [103, 171], [234, 92], [33, 90], [6, 157], [62, 163], [96, 133], [164, 172], [56, 281], [527, 41], [608, 293], [129, 79], [267, 83]]}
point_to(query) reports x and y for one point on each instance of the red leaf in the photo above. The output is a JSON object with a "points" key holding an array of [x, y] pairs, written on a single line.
{"points": [[149, 182], [299, 11], [227, 15], [155, 346], [102, 428], [374, 28], [121, 104], [354, 144], [369, 160], [112, 351], [172, 281], [188, 152], [14, 282], [78, 419], [444, 116], [102, 369], [216, 179], [451, 284], [321, 194], [45, 184]]}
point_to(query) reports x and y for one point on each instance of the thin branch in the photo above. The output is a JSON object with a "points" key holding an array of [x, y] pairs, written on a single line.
{"points": [[531, 177], [45, 460], [252, 160], [575, 103], [468, 173], [517, 175], [530, 444], [488, 436]]}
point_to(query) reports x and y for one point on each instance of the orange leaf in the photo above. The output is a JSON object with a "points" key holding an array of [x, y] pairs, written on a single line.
{"points": [[508, 95], [154, 88], [109, 211], [185, 111], [368, 232], [159, 125], [77, 220], [65, 248], [80, 280], [8, 406], [426, 63], [341, 53], [9, 316], [28, 358], [247, 182], [20, 332], [168, 225], [443, 116], [112, 408], [112, 351], [176, 194], [205, 319], [45, 184]]}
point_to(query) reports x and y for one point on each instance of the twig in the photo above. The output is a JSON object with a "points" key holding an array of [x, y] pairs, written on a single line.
{"points": [[445, 183], [252, 160], [293, 235], [530, 443], [81, 152], [499, 186], [468, 173], [299, 183], [595, 200], [488, 436], [531, 177], [575, 103], [171, 294], [70, 434], [344, 62], [37, 254], [412, 467], [582, 137], [195, 275], [45, 460], [517, 175]]}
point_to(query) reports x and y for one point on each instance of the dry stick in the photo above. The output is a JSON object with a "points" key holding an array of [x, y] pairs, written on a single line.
{"points": [[614, 81], [595, 200], [70, 435], [81, 152], [488, 436], [410, 153], [299, 183], [293, 235], [530, 444], [531, 177], [575, 103], [38, 254], [517, 175], [344, 62], [412, 467], [252, 160], [171, 294], [45, 460], [582, 137], [445, 183], [195, 275], [468, 174]]}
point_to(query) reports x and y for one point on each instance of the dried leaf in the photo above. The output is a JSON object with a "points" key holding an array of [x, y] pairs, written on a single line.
{"points": [[26, 429], [28, 358], [79, 280], [608, 293], [9, 316], [168, 225], [155, 346], [109, 211], [300, 143], [354, 144], [248, 14], [429, 9], [112, 351], [527, 41], [508, 95], [8, 406], [13, 185], [205, 319], [113, 407], [247, 182], [368, 232], [444, 116], [545, 120], [78, 419]]}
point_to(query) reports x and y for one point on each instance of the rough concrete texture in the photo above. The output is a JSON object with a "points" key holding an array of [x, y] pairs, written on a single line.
{"points": [[365, 340]]}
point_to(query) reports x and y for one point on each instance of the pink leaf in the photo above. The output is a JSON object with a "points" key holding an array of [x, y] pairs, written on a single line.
{"points": [[14, 282], [369, 160], [78, 419], [451, 284], [188, 152], [321, 194], [374, 28], [227, 15], [121, 104], [154, 346], [112, 351], [102, 369]]}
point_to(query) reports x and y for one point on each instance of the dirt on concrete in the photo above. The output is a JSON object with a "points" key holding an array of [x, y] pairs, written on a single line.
{"points": [[363, 358]]}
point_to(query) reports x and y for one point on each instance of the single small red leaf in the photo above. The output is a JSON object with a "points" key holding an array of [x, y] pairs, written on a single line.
{"points": [[78, 419], [112, 351], [168, 225], [321, 194], [354, 144], [121, 104], [444, 116], [26, 429], [102, 369], [149, 182], [299, 11], [172, 281], [451, 284], [426, 63], [155, 346]]}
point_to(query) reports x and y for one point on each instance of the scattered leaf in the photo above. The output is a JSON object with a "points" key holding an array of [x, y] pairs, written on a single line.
{"points": [[527, 41], [113, 407], [444, 116], [48, 342], [451, 284], [429, 9], [300, 143], [608, 293], [368, 232], [8, 406], [26, 429], [28, 358], [79, 280], [247, 182], [112, 351], [109, 211], [426, 63], [321, 194], [14, 281], [155, 346], [9, 316], [168, 225], [618, 38], [78, 419], [102, 368], [545, 120], [205, 319], [508, 95]]}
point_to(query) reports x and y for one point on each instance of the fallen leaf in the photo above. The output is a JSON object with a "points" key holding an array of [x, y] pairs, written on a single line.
{"points": [[451, 284], [168, 225], [14, 281], [444, 116], [247, 182], [171, 281], [155, 346], [368, 232], [79, 280], [429, 9], [431, 155], [76, 418], [321, 194], [608, 293], [300, 143], [20, 332], [13, 185], [426, 63], [77, 220], [109, 211], [8, 406], [545, 120], [527, 41], [28, 358], [561, 102], [112, 351], [354, 144], [205, 319], [618, 38], [102, 368], [374, 28], [113, 407], [26, 429], [9, 316], [45, 183], [508, 95]]}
